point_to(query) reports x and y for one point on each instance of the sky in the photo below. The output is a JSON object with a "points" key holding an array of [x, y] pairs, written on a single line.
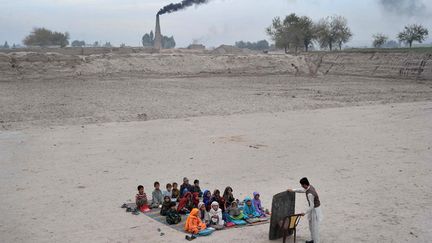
{"points": [[212, 24]]}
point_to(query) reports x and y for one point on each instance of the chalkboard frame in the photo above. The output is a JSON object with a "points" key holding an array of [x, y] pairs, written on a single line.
{"points": [[283, 204]]}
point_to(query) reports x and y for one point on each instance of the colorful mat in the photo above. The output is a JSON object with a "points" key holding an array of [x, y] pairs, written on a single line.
{"points": [[155, 215]]}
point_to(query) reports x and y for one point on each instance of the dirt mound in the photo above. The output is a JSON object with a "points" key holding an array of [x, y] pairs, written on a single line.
{"points": [[4, 58], [162, 64], [5, 62], [195, 64], [56, 57], [31, 57], [227, 49], [407, 65], [42, 57], [223, 60]]}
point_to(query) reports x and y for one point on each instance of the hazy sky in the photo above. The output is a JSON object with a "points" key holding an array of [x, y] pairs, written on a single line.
{"points": [[215, 23]]}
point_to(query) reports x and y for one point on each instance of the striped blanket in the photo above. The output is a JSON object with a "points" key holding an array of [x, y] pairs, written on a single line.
{"points": [[155, 215]]}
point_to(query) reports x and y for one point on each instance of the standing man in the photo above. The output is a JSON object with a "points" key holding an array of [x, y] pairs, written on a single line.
{"points": [[314, 213]]}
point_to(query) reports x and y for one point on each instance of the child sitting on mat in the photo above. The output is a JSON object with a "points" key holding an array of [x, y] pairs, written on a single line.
{"points": [[195, 226], [157, 197], [228, 196], [216, 197], [257, 204], [195, 199], [207, 199], [168, 191], [175, 194], [196, 188], [166, 206], [186, 204], [141, 200], [173, 217], [185, 187], [235, 214], [215, 214], [203, 215], [249, 209]]}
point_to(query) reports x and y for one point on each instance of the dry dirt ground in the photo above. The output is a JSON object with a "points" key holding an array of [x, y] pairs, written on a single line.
{"points": [[73, 150], [40, 102]]}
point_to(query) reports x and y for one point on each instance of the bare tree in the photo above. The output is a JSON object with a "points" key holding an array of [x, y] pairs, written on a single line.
{"points": [[414, 32], [379, 40], [340, 30], [324, 35]]}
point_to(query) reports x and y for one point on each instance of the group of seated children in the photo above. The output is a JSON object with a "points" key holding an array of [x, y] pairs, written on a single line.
{"points": [[213, 212]]}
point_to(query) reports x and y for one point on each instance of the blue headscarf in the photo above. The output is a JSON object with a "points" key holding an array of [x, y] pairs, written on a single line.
{"points": [[249, 210], [206, 199]]}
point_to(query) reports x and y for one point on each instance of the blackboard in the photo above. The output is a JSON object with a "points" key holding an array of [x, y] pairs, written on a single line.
{"points": [[283, 205]]}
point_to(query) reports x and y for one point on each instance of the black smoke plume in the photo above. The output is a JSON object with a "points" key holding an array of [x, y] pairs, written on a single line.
{"points": [[404, 7], [173, 7]]}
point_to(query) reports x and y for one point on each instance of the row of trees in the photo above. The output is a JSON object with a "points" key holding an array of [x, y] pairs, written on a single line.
{"points": [[292, 32], [411, 33], [78, 43], [45, 37], [5, 45], [149, 38], [300, 31], [259, 45]]}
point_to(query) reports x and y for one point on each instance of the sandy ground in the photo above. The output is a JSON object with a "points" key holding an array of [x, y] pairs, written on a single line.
{"points": [[69, 101], [74, 146], [371, 165]]}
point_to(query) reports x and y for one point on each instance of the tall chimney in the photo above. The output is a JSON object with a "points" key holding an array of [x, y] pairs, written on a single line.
{"points": [[158, 35]]}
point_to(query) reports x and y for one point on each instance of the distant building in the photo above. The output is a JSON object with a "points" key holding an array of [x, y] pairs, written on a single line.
{"points": [[16, 46], [196, 47]]}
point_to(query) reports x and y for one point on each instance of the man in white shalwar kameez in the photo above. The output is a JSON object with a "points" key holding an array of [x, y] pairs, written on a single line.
{"points": [[313, 212]]}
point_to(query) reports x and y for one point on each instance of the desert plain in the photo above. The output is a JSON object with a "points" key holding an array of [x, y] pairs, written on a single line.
{"points": [[78, 133]]}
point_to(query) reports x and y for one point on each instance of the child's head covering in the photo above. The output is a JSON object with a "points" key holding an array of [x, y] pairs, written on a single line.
{"points": [[194, 212], [193, 222], [200, 205], [227, 189], [255, 193], [247, 199], [206, 198], [215, 204]]}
